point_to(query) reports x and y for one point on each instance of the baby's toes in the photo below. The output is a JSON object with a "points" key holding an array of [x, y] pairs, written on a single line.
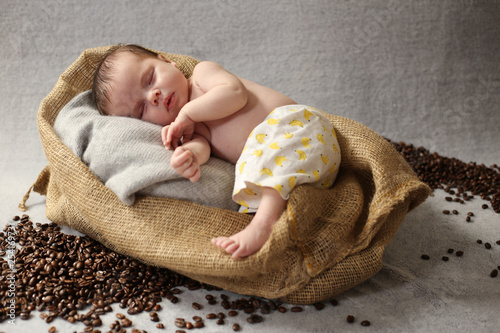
{"points": [[231, 248]]}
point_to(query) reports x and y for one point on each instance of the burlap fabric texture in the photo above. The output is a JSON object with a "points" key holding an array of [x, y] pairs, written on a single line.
{"points": [[325, 242]]}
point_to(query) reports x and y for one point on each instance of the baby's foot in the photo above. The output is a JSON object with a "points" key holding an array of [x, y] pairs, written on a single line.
{"points": [[244, 243]]}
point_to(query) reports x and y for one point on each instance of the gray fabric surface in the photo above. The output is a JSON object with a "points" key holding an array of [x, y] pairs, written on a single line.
{"points": [[424, 72], [128, 156]]}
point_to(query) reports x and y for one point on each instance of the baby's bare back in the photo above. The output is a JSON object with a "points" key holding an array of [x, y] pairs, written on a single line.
{"points": [[228, 135]]}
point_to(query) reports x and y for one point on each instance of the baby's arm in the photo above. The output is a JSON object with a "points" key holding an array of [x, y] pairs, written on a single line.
{"points": [[221, 94]]}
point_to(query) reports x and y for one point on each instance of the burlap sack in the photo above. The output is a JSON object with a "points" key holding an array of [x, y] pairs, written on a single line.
{"points": [[324, 243]]}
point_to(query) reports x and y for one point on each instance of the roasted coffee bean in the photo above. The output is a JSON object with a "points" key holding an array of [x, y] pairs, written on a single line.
{"points": [[232, 313], [282, 309], [334, 302], [494, 273], [180, 322], [196, 306], [189, 325], [459, 253], [220, 321], [350, 319], [180, 331], [197, 318], [160, 325], [487, 245], [365, 323], [450, 251], [467, 219], [484, 206], [479, 241], [445, 258], [221, 315], [120, 316], [255, 319], [455, 212], [498, 242], [236, 327], [319, 306], [52, 329], [296, 309], [446, 211], [126, 322], [425, 257], [211, 316], [198, 324], [470, 214], [448, 198]]}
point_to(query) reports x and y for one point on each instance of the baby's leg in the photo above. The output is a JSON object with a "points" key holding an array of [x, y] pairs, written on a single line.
{"points": [[254, 236]]}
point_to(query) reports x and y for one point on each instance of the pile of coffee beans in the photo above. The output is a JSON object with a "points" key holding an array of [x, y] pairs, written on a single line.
{"points": [[459, 179], [78, 279], [464, 180]]}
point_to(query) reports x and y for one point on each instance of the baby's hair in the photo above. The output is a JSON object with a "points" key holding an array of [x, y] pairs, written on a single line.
{"points": [[104, 74]]}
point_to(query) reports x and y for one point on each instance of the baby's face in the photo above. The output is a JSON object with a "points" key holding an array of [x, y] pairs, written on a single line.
{"points": [[150, 89]]}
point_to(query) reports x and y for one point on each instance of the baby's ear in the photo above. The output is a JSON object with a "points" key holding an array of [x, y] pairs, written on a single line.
{"points": [[163, 58]]}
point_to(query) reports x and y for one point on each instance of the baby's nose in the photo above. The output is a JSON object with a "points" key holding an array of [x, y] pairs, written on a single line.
{"points": [[155, 97]]}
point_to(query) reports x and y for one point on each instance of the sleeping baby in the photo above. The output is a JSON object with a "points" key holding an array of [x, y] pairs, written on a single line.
{"points": [[274, 143]]}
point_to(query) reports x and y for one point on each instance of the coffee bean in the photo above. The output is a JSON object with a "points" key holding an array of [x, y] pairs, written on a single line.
{"points": [[450, 251], [350, 319], [498, 242], [487, 245], [484, 206], [220, 321], [180, 322], [365, 323], [160, 325], [52, 329], [494, 273], [232, 313], [467, 219], [319, 306], [459, 253], [189, 325], [198, 324], [197, 318], [236, 327], [255, 319], [126, 322], [448, 198], [425, 257], [479, 241], [446, 211], [445, 258], [211, 316], [282, 309], [334, 302]]}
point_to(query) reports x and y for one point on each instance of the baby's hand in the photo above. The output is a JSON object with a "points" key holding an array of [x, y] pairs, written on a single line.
{"points": [[184, 163], [181, 128]]}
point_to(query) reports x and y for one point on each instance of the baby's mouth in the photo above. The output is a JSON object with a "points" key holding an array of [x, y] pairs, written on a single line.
{"points": [[169, 102]]}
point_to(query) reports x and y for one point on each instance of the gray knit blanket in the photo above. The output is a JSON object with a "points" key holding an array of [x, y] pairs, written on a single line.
{"points": [[128, 156]]}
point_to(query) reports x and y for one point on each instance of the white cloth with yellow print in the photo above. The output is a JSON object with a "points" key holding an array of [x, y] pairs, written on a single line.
{"points": [[295, 144]]}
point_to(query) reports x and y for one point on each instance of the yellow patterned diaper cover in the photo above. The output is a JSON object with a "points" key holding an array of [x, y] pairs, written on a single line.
{"points": [[295, 144]]}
